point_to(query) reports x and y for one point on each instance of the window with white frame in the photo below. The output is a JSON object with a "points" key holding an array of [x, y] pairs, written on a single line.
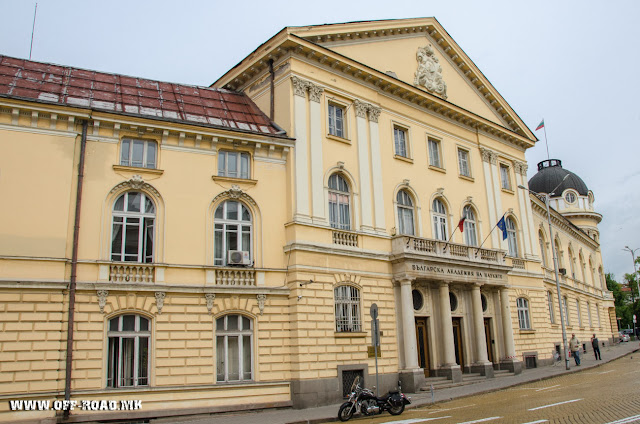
{"points": [[233, 164], [336, 120], [463, 162], [339, 215], [405, 213], [570, 197], [434, 153], [139, 153], [128, 351], [400, 141], [234, 348], [470, 231], [439, 220], [347, 301], [579, 312], [512, 241], [552, 316], [522, 305], [505, 178], [133, 232], [232, 233]]}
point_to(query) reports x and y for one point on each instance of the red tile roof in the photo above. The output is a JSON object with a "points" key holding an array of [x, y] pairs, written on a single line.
{"points": [[62, 85]]}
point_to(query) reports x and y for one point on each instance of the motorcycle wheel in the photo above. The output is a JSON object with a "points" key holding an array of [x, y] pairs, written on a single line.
{"points": [[396, 410], [346, 411]]}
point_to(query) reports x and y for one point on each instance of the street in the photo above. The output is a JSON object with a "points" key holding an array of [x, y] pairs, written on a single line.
{"points": [[606, 394]]}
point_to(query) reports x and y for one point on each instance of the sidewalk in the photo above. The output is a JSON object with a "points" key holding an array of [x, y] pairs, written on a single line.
{"points": [[329, 413]]}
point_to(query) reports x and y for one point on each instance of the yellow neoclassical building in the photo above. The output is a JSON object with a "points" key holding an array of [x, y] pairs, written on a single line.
{"points": [[221, 247]]}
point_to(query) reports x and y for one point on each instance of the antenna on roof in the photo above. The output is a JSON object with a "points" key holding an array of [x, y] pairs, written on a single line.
{"points": [[33, 29]]}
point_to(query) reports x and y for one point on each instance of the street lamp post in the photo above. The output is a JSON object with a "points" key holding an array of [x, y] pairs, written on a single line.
{"points": [[547, 199], [635, 274]]}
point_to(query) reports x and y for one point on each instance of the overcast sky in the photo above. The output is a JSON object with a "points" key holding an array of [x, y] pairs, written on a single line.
{"points": [[573, 63]]}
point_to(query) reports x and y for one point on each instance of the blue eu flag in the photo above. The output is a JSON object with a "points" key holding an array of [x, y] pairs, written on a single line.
{"points": [[503, 226]]}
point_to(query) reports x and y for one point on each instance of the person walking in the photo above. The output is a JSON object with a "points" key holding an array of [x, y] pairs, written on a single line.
{"points": [[574, 345], [596, 348]]}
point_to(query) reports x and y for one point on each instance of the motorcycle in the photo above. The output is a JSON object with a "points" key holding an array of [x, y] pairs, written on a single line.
{"points": [[364, 401]]}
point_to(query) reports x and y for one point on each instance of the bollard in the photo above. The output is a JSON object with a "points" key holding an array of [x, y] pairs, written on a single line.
{"points": [[432, 394]]}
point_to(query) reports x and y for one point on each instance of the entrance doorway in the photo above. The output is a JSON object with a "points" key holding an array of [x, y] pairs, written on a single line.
{"points": [[423, 344], [457, 341], [487, 335]]}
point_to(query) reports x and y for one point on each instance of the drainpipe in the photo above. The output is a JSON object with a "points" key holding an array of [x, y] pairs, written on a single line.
{"points": [[272, 78], [74, 266]]}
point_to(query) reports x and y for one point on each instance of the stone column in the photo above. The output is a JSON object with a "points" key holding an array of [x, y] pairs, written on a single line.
{"points": [[487, 157], [301, 150], [364, 166], [412, 377], [482, 364], [315, 139], [510, 361], [449, 367], [376, 165]]}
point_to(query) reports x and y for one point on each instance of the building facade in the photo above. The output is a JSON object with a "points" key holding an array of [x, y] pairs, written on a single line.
{"points": [[224, 259]]}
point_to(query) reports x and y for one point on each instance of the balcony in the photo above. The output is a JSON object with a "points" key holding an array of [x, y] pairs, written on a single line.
{"points": [[437, 249], [131, 273], [235, 277], [345, 238]]}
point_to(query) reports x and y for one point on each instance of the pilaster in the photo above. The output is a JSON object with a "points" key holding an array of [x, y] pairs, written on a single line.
{"points": [[315, 138], [301, 150], [364, 166], [487, 157], [376, 164]]}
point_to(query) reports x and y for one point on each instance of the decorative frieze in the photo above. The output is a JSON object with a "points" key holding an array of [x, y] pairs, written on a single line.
{"points": [[136, 183]]}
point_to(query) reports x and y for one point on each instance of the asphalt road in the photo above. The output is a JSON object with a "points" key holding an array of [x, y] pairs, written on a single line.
{"points": [[609, 394]]}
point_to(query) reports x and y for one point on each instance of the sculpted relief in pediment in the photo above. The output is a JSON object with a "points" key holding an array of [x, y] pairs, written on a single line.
{"points": [[429, 73]]}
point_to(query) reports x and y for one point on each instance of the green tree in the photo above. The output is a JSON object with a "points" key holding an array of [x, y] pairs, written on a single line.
{"points": [[621, 300]]}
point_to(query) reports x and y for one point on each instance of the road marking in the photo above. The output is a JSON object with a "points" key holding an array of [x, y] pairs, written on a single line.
{"points": [[416, 420], [480, 421], [554, 404], [451, 409], [606, 372], [626, 420], [546, 388], [536, 422]]}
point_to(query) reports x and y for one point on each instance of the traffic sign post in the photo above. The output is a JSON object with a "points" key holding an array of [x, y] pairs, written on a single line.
{"points": [[375, 338]]}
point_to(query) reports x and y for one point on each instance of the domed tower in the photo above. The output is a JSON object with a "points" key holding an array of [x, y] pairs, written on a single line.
{"points": [[571, 198]]}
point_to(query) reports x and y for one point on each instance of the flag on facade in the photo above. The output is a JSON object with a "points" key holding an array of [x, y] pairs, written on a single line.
{"points": [[461, 224], [540, 125], [503, 226]]}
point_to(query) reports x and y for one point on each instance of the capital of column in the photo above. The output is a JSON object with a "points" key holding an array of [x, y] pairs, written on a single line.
{"points": [[374, 113], [361, 108], [315, 92], [520, 167], [300, 86], [489, 156], [403, 281]]}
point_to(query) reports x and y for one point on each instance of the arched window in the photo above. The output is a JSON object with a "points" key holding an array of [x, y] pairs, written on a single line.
{"points": [[133, 228], [233, 234], [559, 254], [523, 313], [470, 232], [511, 238], [347, 302], [128, 351], [339, 215], [565, 310], [572, 263], [602, 279], [405, 213], [583, 269], [579, 312], [592, 271], [543, 248], [552, 317], [598, 315], [439, 220], [234, 348], [589, 314]]}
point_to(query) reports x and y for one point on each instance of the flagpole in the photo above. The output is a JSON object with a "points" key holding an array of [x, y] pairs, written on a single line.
{"points": [[546, 141], [33, 29], [494, 227]]}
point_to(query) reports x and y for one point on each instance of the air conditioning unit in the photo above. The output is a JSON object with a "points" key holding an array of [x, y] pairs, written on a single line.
{"points": [[238, 257], [562, 271]]}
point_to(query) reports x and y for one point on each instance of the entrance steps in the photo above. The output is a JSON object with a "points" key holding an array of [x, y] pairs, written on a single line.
{"points": [[440, 383]]}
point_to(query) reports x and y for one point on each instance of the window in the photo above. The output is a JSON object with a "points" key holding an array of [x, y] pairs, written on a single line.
{"points": [[552, 317], [570, 197], [543, 249], [505, 180], [234, 348], [463, 163], [133, 228], [336, 120], [589, 314], [400, 141], [232, 231], [439, 220], [405, 213], [511, 238], [572, 261], [347, 300], [598, 315], [470, 234], [128, 351], [578, 312], [565, 310], [339, 215], [583, 269], [434, 153], [233, 164], [138, 153], [523, 313]]}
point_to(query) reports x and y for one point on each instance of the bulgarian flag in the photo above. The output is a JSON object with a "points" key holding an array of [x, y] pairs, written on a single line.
{"points": [[541, 125], [461, 224]]}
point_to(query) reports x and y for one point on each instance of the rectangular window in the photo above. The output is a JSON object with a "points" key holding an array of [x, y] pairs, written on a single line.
{"points": [[138, 153], [505, 180], [463, 163], [400, 141], [336, 120], [434, 153], [347, 306], [233, 164]]}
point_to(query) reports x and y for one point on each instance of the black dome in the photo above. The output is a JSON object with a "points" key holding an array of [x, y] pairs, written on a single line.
{"points": [[550, 174]]}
